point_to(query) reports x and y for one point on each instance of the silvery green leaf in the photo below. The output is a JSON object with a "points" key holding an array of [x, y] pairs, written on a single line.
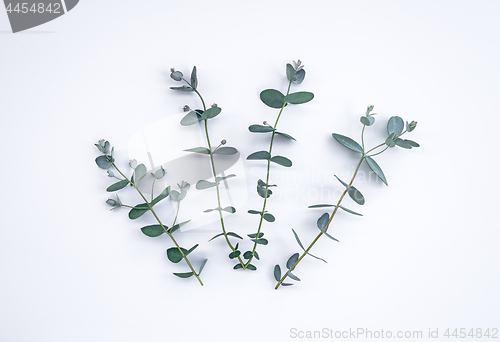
{"points": [[259, 155], [348, 142], [251, 267], [226, 150], [300, 75], [255, 212], [411, 126], [277, 272], [218, 179], [153, 230], [283, 161], [376, 169], [412, 143], [230, 209], [321, 205], [175, 255], [234, 254], [299, 97], [322, 221], [103, 162], [159, 173], [368, 110], [210, 113], [367, 120], [300, 244], [184, 185], [194, 79], [182, 88], [261, 183], [177, 226], [395, 125], [255, 235], [260, 129], [229, 234], [191, 118], [292, 260], [174, 195], [164, 194], [210, 210], [202, 266], [343, 183], [290, 73], [350, 211], [176, 75], [203, 184], [138, 211], [390, 140], [186, 275], [402, 143], [191, 249], [269, 218], [292, 276], [356, 195], [110, 173], [262, 192], [133, 163], [272, 98], [237, 267], [260, 241], [117, 186], [139, 173], [256, 255], [286, 135], [202, 150]]}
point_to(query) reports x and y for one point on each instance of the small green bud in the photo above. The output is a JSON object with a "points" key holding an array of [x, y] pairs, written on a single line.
{"points": [[186, 108], [176, 75], [133, 163], [159, 173], [114, 203], [223, 142], [184, 186], [103, 146], [110, 173], [214, 105], [411, 126]]}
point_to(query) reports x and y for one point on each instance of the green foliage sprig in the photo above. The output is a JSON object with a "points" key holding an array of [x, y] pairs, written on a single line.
{"points": [[194, 117], [395, 129], [275, 99], [174, 254]]}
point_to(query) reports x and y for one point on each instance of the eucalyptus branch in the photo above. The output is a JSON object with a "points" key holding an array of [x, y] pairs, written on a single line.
{"points": [[395, 128], [194, 117], [274, 99], [175, 254]]}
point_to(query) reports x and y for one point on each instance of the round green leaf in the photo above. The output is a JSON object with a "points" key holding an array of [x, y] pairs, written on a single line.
{"points": [[191, 118], [395, 125], [211, 113], [272, 98], [292, 260], [269, 218], [323, 220], [367, 120], [259, 155], [283, 161], [299, 97], [153, 230], [290, 72], [174, 255], [356, 195], [300, 75], [103, 162], [226, 150]]}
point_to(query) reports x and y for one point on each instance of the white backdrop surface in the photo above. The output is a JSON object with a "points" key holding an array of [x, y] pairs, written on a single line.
{"points": [[424, 255]]}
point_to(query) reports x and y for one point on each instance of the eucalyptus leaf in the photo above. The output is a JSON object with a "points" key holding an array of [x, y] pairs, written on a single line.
{"points": [[403, 143], [255, 212], [191, 249], [230, 209], [191, 118], [175, 255], [321, 205], [164, 194], [300, 75], [343, 183], [218, 179], [300, 244], [290, 73], [262, 192], [182, 88], [255, 235], [210, 113], [202, 150], [176, 196], [292, 260], [260, 129], [186, 275], [376, 169], [269, 218], [286, 135], [283, 161], [348, 142], [259, 155], [288, 284], [234, 254], [412, 143], [299, 97], [138, 211], [251, 267], [203, 184], [177, 226], [260, 241], [256, 255], [292, 276], [349, 211], [247, 255], [395, 125], [237, 267], [202, 266], [226, 150], [367, 120], [390, 140], [322, 221], [261, 183], [194, 79], [103, 162], [117, 186], [139, 173], [277, 272], [153, 230], [229, 233], [356, 195], [272, 98]]}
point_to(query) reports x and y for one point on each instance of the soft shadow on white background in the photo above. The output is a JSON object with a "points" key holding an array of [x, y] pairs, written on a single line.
{"points": [[424, 255]]}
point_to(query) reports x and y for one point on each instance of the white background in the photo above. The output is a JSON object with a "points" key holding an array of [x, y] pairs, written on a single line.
{"points": [[424, 255]]}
